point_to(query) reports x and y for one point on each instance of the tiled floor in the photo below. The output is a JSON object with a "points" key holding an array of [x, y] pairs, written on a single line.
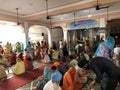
{"points": [[29, 86]]}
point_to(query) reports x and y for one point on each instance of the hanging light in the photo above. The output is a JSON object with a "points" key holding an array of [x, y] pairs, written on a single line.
{"points": [[61, 17], [74, 20], [89, 15], [17, 17]]}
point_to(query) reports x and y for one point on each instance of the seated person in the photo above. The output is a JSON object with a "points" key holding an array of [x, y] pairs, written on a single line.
{"points": [[2, 72], [28, 61], [19, 67], [80, 75], [20, 55], [12, 59], [30, 64], [46, 76], [68, 79], [53, 84], [61, 68]]}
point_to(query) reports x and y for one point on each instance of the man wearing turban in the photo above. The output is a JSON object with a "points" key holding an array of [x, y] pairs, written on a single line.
{"points": [[53, 84]]}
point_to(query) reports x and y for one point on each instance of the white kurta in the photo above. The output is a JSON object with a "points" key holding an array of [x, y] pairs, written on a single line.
{"points": [[51, 86]]}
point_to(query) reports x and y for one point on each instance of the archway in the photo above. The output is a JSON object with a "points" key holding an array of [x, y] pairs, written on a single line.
{"points": [[38, 33]]}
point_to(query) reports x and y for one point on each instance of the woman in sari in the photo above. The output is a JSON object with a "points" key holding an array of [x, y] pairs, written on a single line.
{"points": [[80, 75], [19, 67], [28, 61], [68, 79], [12, 59]]}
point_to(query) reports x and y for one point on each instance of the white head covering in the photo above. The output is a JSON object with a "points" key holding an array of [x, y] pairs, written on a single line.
{"points": [[117, 50], [74, 62]]}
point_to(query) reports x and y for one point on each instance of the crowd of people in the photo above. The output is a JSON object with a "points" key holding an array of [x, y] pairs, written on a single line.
{"points": [[71, 69], [77, 67]]}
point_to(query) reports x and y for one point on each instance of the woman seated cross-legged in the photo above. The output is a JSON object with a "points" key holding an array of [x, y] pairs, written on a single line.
{"points": [[19, 67]]}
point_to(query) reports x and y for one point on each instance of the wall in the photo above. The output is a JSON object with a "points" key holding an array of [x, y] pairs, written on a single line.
{"points": [[57, 34]]}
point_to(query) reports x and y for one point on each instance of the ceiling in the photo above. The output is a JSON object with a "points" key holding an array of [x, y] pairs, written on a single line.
{"points": [[59, 10]]}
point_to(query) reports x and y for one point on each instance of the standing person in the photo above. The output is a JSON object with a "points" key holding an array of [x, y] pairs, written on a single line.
{"points": [[61, 44], [79, 48], [30, 63], [18, 47], [86, 44], [107, 73], [42, 49], [46, 58], [53, 84], [28, 47], [7, 49], [105, 48], [102, 38], [50, 52], [116, 58]]}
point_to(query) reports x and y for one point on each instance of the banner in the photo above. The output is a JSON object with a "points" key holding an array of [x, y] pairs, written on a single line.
{"points": [[85, 24]]}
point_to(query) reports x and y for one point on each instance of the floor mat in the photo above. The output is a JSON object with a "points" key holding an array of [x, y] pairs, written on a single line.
{"points": [[20, 80]]}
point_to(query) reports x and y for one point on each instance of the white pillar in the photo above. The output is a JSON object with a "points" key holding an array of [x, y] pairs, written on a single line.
{"points": [[49, 38], [65, 31], [26, 29], [91, 36], [65, 35]]}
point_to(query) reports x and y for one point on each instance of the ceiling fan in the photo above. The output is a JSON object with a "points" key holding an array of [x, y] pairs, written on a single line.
{"points": [[47, 17], [98, 6], [18, 23]]}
